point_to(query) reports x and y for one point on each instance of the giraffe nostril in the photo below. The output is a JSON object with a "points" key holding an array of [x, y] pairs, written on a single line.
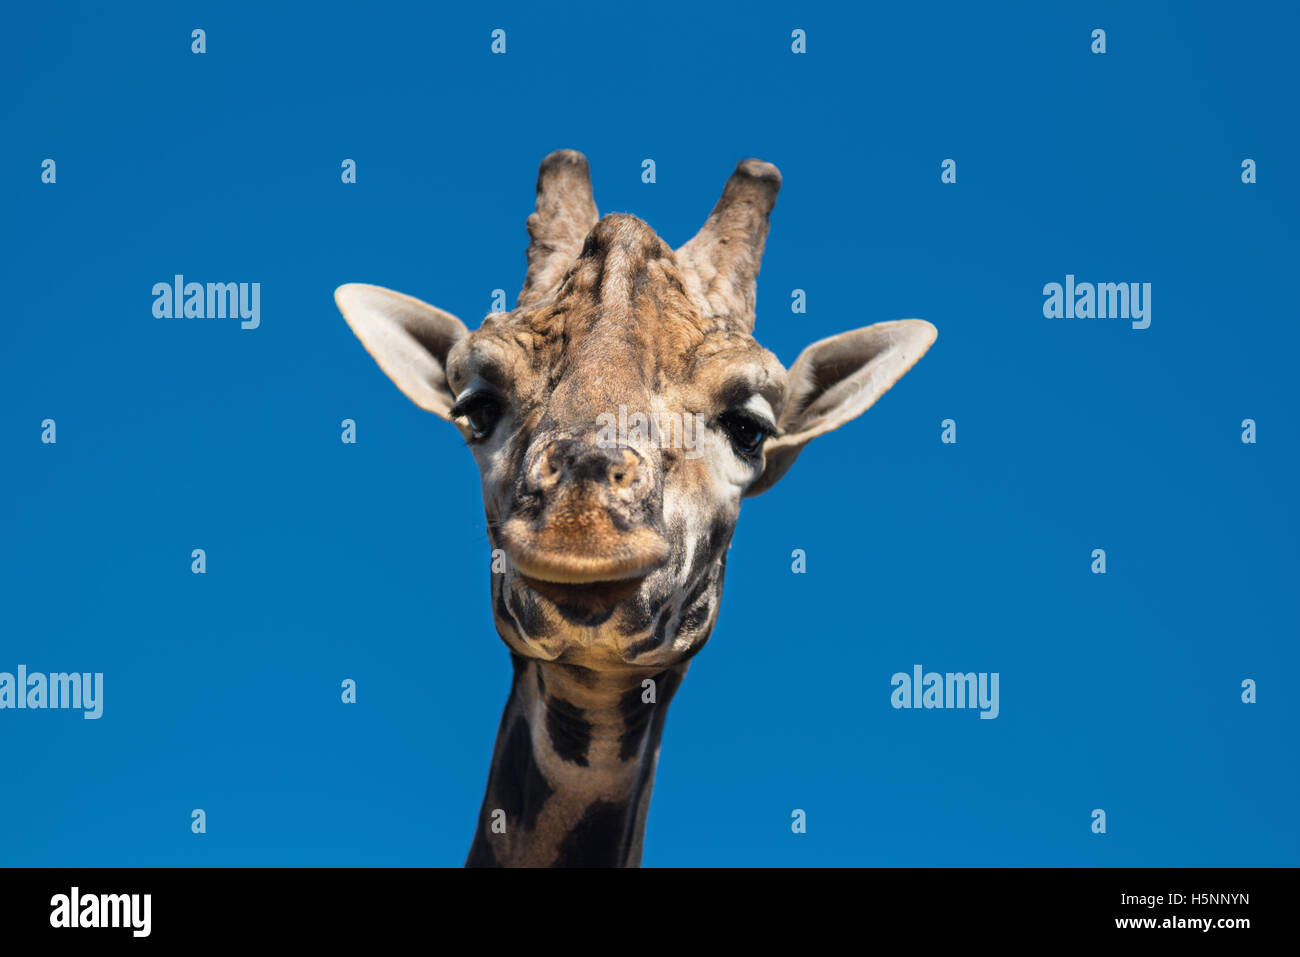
{"points": [[622, 474], [548, 468]]}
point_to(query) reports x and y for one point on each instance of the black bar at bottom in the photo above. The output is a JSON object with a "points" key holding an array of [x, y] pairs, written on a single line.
{"points": [[338, 906]]}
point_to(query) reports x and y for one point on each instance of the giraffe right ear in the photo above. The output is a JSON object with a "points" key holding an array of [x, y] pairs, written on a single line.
{"points": [[409, 339], [837, 379]]}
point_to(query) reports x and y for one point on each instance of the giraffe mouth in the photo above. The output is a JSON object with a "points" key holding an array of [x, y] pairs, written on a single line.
{"points": [[592, 554]]}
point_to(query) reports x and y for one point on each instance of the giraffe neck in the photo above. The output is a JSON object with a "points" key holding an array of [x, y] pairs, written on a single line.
{"points": [[573, 767]]}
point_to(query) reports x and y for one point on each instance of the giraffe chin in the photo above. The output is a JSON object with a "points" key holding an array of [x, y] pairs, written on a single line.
{"points": [[588, 599]]}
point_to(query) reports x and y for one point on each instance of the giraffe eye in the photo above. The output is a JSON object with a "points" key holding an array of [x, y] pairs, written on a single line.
{"points": [[745, 432], [482, 412]]}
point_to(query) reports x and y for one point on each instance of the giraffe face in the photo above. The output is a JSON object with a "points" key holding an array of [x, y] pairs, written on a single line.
{"points": [[616, 430], [622, 410]]}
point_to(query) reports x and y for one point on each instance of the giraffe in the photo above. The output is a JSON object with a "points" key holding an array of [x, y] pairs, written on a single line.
{"points": [[613, 550]]}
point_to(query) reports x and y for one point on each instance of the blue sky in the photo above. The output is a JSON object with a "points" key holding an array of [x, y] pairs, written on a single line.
{"points": [[329, 561]]}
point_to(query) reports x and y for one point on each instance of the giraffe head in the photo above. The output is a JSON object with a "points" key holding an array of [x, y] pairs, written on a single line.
{"points": [[621, 411]]}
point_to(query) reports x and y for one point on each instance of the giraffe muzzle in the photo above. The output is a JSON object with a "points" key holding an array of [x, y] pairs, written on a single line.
{"points": [[582, 546], [594, 516]]}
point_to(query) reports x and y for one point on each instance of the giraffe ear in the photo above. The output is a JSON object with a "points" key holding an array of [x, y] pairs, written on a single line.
{"points": [[409, 339], [837, 379]]}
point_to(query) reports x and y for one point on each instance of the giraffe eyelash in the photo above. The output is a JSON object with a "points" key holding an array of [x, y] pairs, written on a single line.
{"points": [[479, 403]]}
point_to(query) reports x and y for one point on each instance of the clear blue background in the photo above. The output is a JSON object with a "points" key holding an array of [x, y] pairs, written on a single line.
{"points": [[329, 561]]}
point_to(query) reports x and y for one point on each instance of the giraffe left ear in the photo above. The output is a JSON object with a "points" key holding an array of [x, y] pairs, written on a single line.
{"points": [[837, 379]]}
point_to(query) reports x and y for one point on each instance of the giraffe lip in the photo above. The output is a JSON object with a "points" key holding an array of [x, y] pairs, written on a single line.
{"points": [[596, 562]]}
